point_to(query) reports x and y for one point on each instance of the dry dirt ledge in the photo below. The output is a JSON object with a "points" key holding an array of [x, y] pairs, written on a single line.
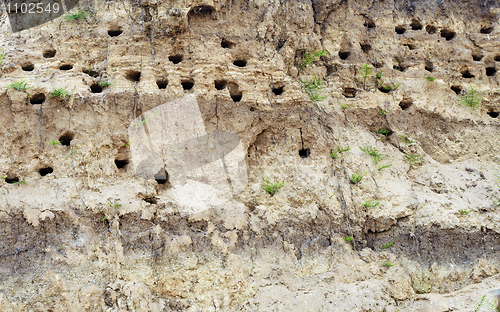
{"points": [[256, 252]]}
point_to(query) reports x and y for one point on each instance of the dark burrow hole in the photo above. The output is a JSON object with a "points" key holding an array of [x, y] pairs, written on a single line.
{"points": [[497, 58], [114, 32], [344, 55], [162, 83], [66, 138], [456, 89], [467, 74], [28, 67], [240, 63], [91, 73], [49, 53], [405, 103], [66, 67], [369, 23], [133, 75], [176, 59], [304, 153], [234, 92], [430, 29], [349, 92], [365, 47], [45, 171], [410, 46], [161, 176], [226, 44], [121, 163], [429, 66], [400, 29], [202, 10], [151, 200], [448, 34], [220, 84], [491, 71], [12, 180], [278, 91], [378, 65], [416, 25], [38, 98], [477, 56], [187, 84], [236, 97], [486, 30], [399, 67], [493, 114], [385, 132], [95, 88]]}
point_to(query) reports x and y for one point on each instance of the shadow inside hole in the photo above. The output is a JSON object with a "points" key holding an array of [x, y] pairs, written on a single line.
{"points": [[447, 34], [416, 25], [66, 67], [477, 56], [240, 63], [491, 71], [399, 67], [66, 138], [115, 32], [45, 171], [278, 91], [12, 180], [95, 88], [38, 98], [493, 114], [304, 153], [456, 89], [400, 29], [133, 75], [91, 73], [220, 84], [405, 103], [429, 66], [121, 163], [162, 83], [226, 44], [497, 58], [344, 55], [161, 177], [430, 29], [365, 47], [349, 92], [187, 84], [28, 67], [176, 59], [49, 53], [369, 23], [151, 200], [486, 30], [467, 74]]}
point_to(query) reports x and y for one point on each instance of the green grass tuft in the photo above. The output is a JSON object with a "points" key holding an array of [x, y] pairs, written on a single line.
{"points": [[471, 98], [2, 55], [348, 239], [310, 57], [105, 83], [78, 15], [387, 245], [464, 212], [383, 167], [54, 142], [357, 177], [370, 203], [313, 89], [405, 139], [62, 93], [272, 188], [413, 159], [371, 151], [430, 78], [19, 85]]}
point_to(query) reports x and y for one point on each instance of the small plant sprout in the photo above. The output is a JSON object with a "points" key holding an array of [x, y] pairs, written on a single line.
{"points": [[464, 212], [127, 144], [383, 167], [333, 194], [382, 112], [387, 264], [2, 55], [3, 177], [104, 219], [54, 142], [383, 132], [114, 205], [310, 57], [336, 154], [19, 85], [357, 177], [313, 89], [379, 78], [430, 78], [370, 203], [61, 93], [366, 71], [78, 15], [371, 151], [389, 87], [348, 239], [23, 181], [413, 159], [405, 139], [105, 83], [471, 98], [272, 188], [385, 246], [345, 106]]}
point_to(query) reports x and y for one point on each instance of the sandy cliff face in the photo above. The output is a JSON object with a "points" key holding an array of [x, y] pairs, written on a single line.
{"points": [[153, 199]]}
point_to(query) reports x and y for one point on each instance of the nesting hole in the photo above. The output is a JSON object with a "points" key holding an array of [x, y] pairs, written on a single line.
{"points": [[151, 200], [240, 63], [278, 91], [38, 98], [176, 59], [365, 47], [400, 67], [28, 67], [467, 74], [447, 34], [49, 53], [349, 92], [430, 29], [203, 11], [91, 73], [369, 23], [497, 58], [220, 84], [226, 44], [95, 88], [66, 138], [114, 32], [429, 66], [133, 75], [493, 114], [161, 176], [400, 29], [234, 92], [477, 56], [121, 163], [456, 89], [416, 25], [66, 67], [304, 153], [12, 180], [405, 103], [344, 55], [162, 83], [45, 171], [491, 71], [486, 30], [187, 84]]}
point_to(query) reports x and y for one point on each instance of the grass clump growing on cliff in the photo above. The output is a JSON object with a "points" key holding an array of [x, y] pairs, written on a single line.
{"points": [[348, 239], [471, 98], [370, 203], [313, 89], [385, 246], [365, 71], [20, 85], [81, 14], [430, 78], [105, 83], [2, 55], [336, 154], [413, 159], [357, 177], [310, 57], [373, 152], [405, 139], [61, 93], [272, 188], [387, 264], [54, 142]]}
